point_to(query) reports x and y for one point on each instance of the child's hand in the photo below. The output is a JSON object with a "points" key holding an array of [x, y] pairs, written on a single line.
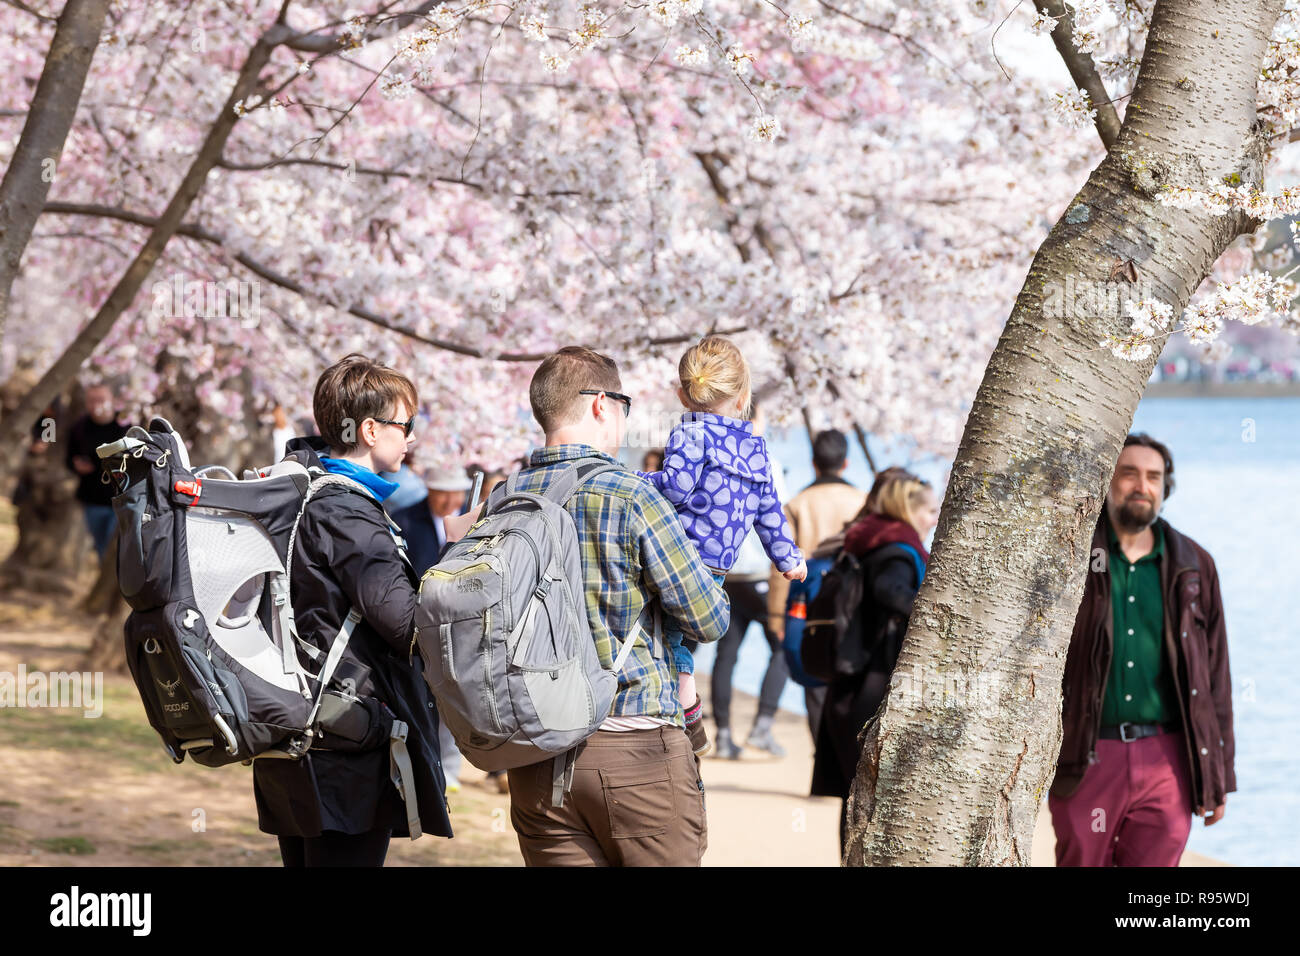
{"points": [[797, 573]]}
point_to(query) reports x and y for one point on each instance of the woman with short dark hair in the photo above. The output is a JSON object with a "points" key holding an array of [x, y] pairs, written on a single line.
{"points": [[338, 805]]}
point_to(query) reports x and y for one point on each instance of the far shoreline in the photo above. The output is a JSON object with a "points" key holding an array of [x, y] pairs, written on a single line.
{"points": [[1222, 390]]}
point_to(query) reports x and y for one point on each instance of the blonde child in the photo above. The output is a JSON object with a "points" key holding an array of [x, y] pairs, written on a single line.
{"points": [[718, 477]]}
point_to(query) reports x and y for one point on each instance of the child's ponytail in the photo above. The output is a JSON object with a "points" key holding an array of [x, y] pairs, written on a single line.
{"points": [[713, 373]]}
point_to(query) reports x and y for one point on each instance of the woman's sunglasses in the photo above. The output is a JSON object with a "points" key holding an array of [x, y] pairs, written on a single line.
{"points": [[408, 426]]}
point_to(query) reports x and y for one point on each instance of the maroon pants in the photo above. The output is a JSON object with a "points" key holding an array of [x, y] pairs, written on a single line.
{"points": [[1133, 807]]}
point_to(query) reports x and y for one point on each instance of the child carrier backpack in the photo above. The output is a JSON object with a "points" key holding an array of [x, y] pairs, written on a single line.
{"points": [[205, 562], [502, 627]]}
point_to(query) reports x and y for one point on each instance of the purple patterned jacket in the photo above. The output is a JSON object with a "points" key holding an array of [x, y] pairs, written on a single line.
{"points": [[718, 478]]}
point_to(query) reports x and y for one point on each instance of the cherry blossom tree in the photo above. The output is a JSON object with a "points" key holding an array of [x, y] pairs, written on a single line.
{"points": [[461, 192], [957, 760], [30, 169]]}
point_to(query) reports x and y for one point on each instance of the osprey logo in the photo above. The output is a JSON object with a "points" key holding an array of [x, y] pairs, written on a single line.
{"points": [[170, 686], [471, 584], [188, 620]]}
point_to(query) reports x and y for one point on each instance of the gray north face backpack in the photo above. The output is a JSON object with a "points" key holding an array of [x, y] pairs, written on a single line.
{"points": [[502, 628]]}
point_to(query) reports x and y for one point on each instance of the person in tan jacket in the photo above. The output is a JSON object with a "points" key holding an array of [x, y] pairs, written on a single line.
{"points": [[819, 511]]}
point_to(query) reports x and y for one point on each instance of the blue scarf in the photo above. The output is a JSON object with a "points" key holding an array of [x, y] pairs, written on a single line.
{"points": [[381, 488]]}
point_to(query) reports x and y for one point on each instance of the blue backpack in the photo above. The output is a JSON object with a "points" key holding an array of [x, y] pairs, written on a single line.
{"points": [[796, 614]]}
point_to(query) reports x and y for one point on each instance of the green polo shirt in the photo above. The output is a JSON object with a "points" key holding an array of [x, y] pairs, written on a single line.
{"points": [[1139, 689]]}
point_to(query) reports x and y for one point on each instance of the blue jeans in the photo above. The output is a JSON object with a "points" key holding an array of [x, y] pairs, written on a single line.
{"points": [[673, 638], [100, 522]]}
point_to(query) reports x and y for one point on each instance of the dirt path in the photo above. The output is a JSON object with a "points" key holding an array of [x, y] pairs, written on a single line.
{"points": [[760, 813]]}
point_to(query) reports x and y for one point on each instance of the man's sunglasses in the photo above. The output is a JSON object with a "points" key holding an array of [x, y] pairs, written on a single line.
{"points": [[408, 426], [617, 396]]}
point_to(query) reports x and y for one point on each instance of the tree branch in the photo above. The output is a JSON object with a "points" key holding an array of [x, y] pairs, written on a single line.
{"points": [[194, 231], [124, 292], [1083, 70], [54, 105], [19, 5], [314, 42]]}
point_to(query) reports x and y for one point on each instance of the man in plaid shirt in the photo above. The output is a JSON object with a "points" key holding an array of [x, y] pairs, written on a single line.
{"points": [[637, 798]]}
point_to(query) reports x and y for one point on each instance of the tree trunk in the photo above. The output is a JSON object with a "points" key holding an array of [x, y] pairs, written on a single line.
{"points": [[49, 557], [49, 117], [959, 756], [107, 648]]}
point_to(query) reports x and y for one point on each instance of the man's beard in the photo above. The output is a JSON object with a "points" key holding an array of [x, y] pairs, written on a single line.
{"points": [[1136, 514]]}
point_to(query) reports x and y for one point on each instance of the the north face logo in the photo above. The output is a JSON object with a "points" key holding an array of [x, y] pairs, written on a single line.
{"points": [[470, 584]]}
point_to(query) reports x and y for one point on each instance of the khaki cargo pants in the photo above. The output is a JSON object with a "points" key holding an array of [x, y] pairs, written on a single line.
{"points": [[637, 800]]}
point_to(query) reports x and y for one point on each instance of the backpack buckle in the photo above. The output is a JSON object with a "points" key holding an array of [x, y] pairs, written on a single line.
{"points": [[192, 488]]}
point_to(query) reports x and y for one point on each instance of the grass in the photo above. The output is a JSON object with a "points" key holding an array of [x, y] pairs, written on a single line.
{"points": [[71, 846], [163, 847], [122, 745], [122, 731]]}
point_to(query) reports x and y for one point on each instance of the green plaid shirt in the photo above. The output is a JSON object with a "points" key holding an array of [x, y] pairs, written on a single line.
{"points": [[633, 551]]}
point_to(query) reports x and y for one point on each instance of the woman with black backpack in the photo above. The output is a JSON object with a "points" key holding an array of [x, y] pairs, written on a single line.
{"points": [[338, 804], [887, 541]]}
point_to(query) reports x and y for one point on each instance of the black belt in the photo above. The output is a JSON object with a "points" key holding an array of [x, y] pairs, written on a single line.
{"points": [[1131, 732]]}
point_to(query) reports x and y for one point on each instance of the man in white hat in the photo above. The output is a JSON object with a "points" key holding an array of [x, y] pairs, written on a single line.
{"points": [[423, 523]]}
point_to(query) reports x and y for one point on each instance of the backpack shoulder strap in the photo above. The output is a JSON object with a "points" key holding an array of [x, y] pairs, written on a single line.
{"points": [[916, 561], [562, 488], [574, 476], [319, 478]]}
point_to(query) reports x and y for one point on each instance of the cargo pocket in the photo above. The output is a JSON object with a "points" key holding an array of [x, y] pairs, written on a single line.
{"points": [[639, 800]]}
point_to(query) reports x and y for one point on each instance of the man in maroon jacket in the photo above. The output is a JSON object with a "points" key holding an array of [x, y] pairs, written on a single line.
{"points": [[1147, 710]]}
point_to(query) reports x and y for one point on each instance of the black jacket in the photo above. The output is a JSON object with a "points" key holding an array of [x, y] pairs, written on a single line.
{"points": [[424, 545], [344, 557], [84, 436], [876, 635]]}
